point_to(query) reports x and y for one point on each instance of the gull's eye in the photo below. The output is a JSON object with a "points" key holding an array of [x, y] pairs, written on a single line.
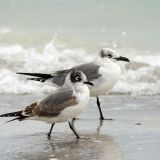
{"points": [[109, 55], [78, 79]]}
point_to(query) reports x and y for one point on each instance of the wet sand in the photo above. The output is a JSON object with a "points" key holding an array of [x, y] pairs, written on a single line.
{"points": [[134, 134]]}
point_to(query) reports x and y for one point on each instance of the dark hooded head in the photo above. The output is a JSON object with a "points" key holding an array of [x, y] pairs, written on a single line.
{"points": [[77, 76]]}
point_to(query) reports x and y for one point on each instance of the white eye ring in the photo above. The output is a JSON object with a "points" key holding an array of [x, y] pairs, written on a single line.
{"points": [[77, 78]]}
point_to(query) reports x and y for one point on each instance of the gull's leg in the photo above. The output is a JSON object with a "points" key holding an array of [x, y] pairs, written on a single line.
{"points": [[71, 127], [50, 131], [100, 111]]}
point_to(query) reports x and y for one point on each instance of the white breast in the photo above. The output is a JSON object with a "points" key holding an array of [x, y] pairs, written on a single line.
{"points": [[110, 75], [82, 94]]}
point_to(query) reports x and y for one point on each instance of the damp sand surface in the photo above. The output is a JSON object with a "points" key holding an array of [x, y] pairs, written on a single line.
{"points": [[133, 134]]}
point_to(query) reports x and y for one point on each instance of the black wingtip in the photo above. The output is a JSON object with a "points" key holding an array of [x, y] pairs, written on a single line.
{"points": [[21, 118], [41, 75], [12, 114], [37, 79], [17, 114]]}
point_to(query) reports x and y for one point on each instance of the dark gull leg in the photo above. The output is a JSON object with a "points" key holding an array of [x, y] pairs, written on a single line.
{"points": [[71, 127], [100, 111], [50, 131]]}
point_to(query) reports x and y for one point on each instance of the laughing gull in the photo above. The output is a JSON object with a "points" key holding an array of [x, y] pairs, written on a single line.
{"points": [[63, 105], [104, 72]]}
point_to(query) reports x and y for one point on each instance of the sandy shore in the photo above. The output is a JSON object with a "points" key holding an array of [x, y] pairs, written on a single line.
{"points": [[134, 134]]}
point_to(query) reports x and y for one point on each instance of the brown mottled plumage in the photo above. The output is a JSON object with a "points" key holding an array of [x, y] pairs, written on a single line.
{"points": [[36, 109]]}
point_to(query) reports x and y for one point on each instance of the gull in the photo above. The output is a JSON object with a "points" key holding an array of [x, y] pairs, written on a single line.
{"points": [[104, 71], [62, 105]]}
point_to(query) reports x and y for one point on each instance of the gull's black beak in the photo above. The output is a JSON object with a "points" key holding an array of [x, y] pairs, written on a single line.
{"points": [[89, 83], [122, 59]]}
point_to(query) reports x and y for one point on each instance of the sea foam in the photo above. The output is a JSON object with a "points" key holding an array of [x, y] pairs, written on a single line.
{"points": [[140, 77]]}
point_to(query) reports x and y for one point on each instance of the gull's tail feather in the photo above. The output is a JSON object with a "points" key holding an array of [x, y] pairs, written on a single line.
{"points": [[17, 114], [41, 75]]}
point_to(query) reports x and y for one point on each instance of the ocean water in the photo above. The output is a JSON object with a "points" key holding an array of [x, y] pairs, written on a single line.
{"points": [[45, 36]]}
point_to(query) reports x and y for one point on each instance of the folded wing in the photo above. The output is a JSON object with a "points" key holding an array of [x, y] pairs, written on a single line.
{"points": [[52, 105]]}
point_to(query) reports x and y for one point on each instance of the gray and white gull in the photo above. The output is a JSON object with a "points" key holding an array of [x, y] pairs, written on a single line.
{"points": [[62, 105], [104, 71]]}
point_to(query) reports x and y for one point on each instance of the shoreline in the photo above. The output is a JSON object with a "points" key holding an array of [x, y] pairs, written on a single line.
{"points": [[133, 134]]}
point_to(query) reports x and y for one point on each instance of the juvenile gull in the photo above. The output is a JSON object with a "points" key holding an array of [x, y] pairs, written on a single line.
{"points": [[62, 105], [104, 72]]}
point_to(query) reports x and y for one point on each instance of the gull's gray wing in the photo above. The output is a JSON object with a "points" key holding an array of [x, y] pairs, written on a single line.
{"points": [[89, 69], [58, 78], [53, 104]]}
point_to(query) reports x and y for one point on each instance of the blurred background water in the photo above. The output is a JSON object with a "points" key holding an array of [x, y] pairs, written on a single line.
{"points": [[44, 36]]}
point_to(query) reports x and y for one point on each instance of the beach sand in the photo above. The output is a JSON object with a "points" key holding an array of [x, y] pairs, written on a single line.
{"points": [[134, 134]]}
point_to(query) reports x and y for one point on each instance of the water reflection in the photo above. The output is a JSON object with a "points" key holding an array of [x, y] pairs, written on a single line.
{"points": [[38, 147], [99, 126], [99, 147]]}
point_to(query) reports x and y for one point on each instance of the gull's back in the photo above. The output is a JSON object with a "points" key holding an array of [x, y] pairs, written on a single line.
{"points": [[89, 69]]}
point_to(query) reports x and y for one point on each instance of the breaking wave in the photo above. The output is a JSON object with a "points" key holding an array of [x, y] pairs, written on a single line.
{"points": [[140, 77]]}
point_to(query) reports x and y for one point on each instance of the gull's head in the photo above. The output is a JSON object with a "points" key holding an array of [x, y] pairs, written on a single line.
{"points": [[111, 55], [77, 76]]}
